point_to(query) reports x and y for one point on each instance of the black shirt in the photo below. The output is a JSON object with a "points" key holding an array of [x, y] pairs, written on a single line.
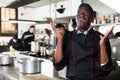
{"points": [[82, 56], [26, 42], [17, 45]]}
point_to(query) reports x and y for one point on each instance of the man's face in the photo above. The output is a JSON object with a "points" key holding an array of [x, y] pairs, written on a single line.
{"points": [[83, 18], [14, 40], [32, 30], [61, 30]]}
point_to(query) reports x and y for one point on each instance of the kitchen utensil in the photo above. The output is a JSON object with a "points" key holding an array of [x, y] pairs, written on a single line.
{"points": [[5, 59], [35, 46], [30, 65]]}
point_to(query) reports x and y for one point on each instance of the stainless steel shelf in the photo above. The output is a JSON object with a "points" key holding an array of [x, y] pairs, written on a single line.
{"points": [[106, 24]]}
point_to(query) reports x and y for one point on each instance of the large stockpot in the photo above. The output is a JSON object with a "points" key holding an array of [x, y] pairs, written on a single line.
{"points": [[115, 53], [30, 65], [5, 59], [35, 46]]}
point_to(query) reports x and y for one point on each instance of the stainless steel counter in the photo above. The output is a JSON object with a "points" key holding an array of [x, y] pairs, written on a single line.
{"points": [[12, 72], [9, 72]]}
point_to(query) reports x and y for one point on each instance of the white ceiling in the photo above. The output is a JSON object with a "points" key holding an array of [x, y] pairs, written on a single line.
{"points": [[4, 3], [115, 5], [42, 2]]}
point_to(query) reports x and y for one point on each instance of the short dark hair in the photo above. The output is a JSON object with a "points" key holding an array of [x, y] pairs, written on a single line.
{"points": [[32, 26], [15, 36], [88, 7], [59, 25]]}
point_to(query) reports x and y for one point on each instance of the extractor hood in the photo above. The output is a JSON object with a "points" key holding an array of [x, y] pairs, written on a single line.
{"points": [[19, 3]]}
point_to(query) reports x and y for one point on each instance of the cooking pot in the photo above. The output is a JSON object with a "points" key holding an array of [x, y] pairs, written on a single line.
{"points": [[35, 46], [30, 65], [5, 59], [115, 52]]}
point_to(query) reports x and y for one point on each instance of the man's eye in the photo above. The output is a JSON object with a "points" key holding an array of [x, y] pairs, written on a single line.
{"points": [[83, 14]]}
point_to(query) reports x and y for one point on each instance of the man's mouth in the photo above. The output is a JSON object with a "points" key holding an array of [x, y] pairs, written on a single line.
{"points": [[81, 20]]}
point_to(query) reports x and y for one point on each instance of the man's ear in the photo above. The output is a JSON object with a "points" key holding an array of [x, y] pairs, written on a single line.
{"points": [[93, 18]]}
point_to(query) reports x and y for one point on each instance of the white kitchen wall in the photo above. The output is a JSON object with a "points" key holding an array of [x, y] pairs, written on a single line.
{"points": [[5, 40], [27, 13], [100, 7], [74, 6], [103, 29], [42, 12]]}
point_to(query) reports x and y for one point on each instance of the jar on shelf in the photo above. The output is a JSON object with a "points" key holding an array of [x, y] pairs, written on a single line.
{"points": [[112, 18], [99, 21], [108, 20], [119, 18], [103, 19], [116, 19]]}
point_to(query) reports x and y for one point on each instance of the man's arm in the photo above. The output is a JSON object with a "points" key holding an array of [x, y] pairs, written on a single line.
{"points": [[103, 51], [103, 54], [58, 53], [58, 60]]}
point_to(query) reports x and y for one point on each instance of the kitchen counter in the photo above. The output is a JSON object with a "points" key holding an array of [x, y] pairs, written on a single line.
{"points": [[12, 72], [9, 72]]}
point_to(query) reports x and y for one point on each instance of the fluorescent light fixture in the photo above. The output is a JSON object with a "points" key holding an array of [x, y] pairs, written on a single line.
{"points": [[27, 21], [21, 21]]}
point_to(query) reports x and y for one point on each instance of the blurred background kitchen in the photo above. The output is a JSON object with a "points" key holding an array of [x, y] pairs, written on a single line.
{"points": [[16, 16]]}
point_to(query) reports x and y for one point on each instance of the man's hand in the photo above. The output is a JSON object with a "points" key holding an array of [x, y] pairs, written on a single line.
{"points": [[103, 39], [59, 51], [103, 51], [59, 31]]}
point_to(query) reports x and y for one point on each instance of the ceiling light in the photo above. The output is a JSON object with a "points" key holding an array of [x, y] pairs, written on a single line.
{"points": [[27, 21], [61, 10]]}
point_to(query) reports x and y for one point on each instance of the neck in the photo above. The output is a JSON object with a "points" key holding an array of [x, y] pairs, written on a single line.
{"points": [[82, 31]]}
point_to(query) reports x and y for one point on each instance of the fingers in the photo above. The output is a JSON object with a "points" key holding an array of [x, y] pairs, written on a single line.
{"points": [[101, 36], [109, 32]]}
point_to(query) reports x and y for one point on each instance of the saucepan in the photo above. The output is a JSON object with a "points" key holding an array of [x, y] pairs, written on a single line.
{"points": [[116, 52], [6, 59], [30, 65], [35, 46]]}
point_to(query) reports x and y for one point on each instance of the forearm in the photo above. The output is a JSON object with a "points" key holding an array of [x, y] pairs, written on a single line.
{"points": [[103, 54], [59, 52]]}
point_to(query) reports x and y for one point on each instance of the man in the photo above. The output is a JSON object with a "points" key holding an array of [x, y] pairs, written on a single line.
{"points": [[27, 37], [15, 43], [85, 52]]}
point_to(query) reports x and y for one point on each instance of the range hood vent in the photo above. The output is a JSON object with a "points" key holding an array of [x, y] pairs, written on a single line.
{"points": [[19, 3]]}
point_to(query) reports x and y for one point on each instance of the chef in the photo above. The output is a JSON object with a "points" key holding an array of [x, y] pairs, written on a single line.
{"points": [[27, 37], [85, 52], [15, 43]]}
